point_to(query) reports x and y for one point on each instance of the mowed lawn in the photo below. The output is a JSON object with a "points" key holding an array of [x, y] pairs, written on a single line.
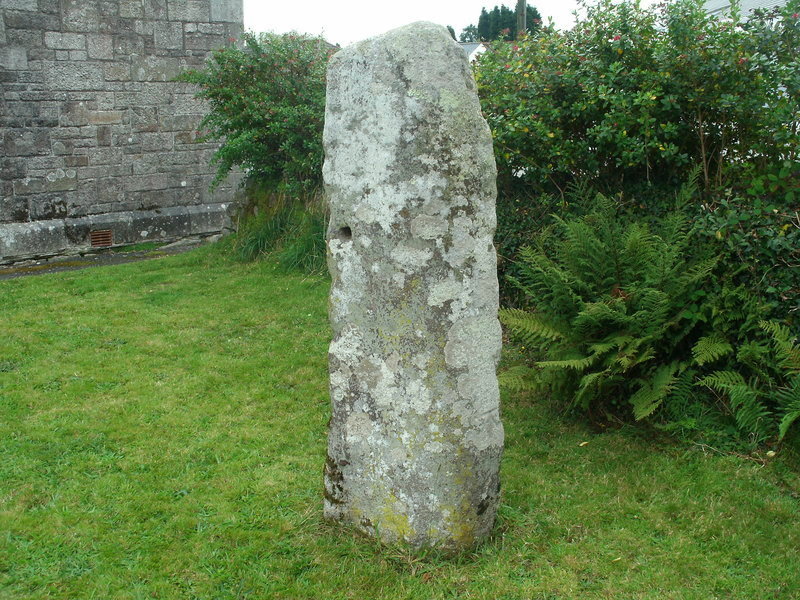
{"points": [[162, 435]]}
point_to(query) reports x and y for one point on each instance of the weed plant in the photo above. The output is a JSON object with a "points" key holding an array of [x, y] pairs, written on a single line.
{"points": [[285, 229]]}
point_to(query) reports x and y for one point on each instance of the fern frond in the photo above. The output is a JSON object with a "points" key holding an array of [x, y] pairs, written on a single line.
{"points": [[758, 357], [785, 344], [629, 358], [589, 266], [699, 271], [710, 348], [687, 195], [517, 378], [603, 316], [577, 364], [751, 415], [529, 327], [614, 342], [674, 237], [778, 331], [547, 283], [588, 387], [683, 389], [722, 381], [652, 308], [789, 399], [651, 394], [675, 229], [640, 253]]}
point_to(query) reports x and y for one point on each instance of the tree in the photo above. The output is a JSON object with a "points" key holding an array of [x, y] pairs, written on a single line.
{"points": [[500, 24], [452, 31], [495, 23], [469, 34], [266, 105], [483, 25]]}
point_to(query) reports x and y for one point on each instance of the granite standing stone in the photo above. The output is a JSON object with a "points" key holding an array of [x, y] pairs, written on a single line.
{"points": [[415, 438]]}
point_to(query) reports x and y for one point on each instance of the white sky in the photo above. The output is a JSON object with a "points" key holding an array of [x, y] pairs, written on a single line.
{"points": [[347, 21]]}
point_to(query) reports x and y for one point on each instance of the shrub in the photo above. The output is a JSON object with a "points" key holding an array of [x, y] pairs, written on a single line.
{"points": [[760, 242], [631, 98], [267, 102]]}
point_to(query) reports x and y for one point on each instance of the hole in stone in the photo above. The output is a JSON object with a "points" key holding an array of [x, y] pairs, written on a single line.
{"points": [[345, 233]]}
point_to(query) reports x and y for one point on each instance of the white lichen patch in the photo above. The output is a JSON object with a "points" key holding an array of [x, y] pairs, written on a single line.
{"points": [[386, 392], [429, 227], [462, 244], [471, 341], [447, 290], [417, 397], [359, 428], [348, 347], [411, 259]]}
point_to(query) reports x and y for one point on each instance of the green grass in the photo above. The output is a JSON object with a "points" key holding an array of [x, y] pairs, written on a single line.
{"points": [[162, 435], [287, 231]]}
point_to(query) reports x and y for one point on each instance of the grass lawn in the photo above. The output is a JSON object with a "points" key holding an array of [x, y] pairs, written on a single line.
{"points": [[162, 435]]}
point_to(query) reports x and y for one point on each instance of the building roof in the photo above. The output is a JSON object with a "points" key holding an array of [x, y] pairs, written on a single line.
{"points": [[722, 7], [473, 49], [470, 47]]}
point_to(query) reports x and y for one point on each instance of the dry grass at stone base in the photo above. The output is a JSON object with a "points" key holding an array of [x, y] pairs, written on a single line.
{"points": [[162, 435]]}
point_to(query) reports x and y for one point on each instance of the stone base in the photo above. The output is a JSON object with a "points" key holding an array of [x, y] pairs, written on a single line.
{"points": [[41, 239]]}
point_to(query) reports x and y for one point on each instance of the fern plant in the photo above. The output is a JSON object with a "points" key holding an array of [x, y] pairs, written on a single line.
{"points": [[610, 318], [770, 397]]}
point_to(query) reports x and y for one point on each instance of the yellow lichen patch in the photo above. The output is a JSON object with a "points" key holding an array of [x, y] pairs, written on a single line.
{"points": [[397, 326], [461, 524], [436, 364], [394, 521]]}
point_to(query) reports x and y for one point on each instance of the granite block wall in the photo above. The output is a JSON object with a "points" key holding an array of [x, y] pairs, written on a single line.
{"points": [[93, 132]]}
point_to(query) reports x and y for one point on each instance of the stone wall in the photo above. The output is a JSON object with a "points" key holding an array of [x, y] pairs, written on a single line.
{"points": [[95, 135]]}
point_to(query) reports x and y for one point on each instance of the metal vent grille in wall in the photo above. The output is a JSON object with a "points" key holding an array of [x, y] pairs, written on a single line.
{"points": [[101, 238]]}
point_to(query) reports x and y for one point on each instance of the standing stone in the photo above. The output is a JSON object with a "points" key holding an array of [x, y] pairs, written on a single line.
{"points": [[415, 438]]}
